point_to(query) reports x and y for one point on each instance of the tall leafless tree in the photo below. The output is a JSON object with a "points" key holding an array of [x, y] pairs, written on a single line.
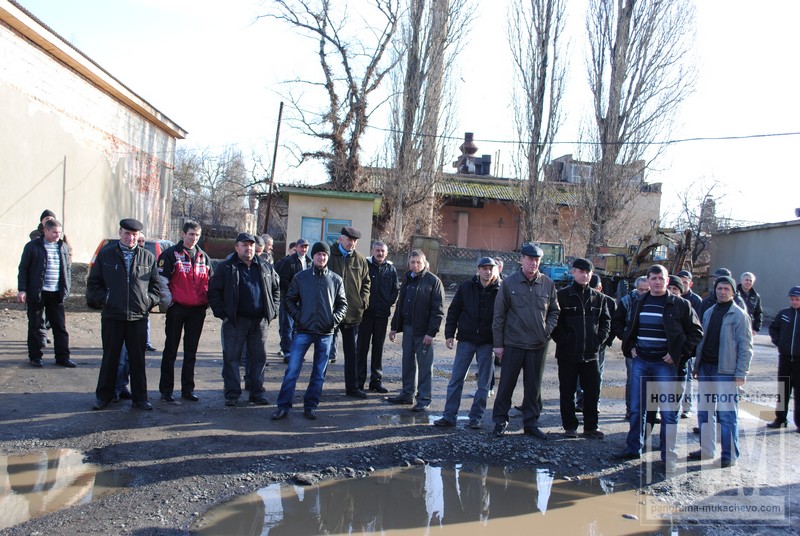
{"points": [[421, 110], [535, 33], [639, 74], [698, 215], [353, 60]]}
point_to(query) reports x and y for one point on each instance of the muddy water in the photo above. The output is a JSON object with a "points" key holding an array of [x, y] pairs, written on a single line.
{"points": [[41, 482], [435, 500]]}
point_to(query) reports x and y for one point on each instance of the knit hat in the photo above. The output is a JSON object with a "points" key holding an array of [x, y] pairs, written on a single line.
{"points": [[320, 247], [675, 281], [725, 279], [46, 214]]}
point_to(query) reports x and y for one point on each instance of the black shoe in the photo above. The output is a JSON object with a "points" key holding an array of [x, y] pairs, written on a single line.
{"points": [[143, 405], [309, 413], [125, 394], [259, 400], [536, 432], [571, 433], [419, 408], [777, 424], [398, 400], [167, 397], [286, 360], [68, 363], [625, 455], [36, 363], [231, 402], [727, 463], [280, 413], [150, 348], [444, 423], [378, 389], [594, 434], [190, 396], [695, 455], [518, 408], [100, 404], [356, 393], [499, 429]]}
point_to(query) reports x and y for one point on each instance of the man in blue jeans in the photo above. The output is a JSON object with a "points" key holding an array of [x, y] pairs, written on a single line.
{"points": [[471, 313], [317, 304], [662, 333]]}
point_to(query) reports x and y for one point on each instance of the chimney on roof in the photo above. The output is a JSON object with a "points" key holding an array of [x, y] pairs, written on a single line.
{"points": [[468, 163]]}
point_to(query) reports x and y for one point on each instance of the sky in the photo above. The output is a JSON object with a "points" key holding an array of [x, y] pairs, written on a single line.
{"points": [[221, 72]]}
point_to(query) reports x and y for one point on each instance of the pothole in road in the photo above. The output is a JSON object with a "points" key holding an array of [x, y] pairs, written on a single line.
{"points": [[41, 482], [441, 500]]}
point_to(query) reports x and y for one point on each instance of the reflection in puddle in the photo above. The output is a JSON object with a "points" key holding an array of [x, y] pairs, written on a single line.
{"points": [[35, 484], [444, 500]]}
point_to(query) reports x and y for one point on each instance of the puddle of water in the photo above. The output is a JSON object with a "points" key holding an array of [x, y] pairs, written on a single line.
{"points": [[434, 500], [35, 484]]}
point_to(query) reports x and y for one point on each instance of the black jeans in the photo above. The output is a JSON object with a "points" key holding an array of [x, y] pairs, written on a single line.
{"points": [[115, 333], [349, 335], [569, 373], [788, 381], [531, 363], [52, 305], [188, 320], [371, 333]]}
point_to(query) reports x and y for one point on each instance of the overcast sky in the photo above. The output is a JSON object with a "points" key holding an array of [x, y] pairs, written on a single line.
{"points": [[218, 73]]}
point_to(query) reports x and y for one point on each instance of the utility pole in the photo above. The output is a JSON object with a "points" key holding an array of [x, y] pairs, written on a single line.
{"points": [[272, 171]]}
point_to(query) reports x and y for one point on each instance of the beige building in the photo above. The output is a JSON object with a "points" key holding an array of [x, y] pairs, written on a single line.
{"points": [[74, 140]]}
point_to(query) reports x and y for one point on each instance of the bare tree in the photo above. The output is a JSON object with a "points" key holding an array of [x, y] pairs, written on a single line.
{"points": [[698, 216], [421, 109], [535, 30], [638, 76], [353, 66]]}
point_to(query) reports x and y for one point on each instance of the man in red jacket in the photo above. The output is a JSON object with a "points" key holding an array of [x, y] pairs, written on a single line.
{"points": [[183, 272]]}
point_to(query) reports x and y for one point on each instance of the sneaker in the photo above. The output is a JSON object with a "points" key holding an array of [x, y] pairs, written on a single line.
{"points": [[474, 424], [571, 432], [444, 423], [593, 434]]}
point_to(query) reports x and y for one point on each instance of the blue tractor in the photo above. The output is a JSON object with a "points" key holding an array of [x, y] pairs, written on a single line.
{"points": [[553, 263]]}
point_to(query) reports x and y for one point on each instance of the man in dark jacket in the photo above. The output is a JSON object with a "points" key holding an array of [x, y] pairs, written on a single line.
{"points": [[662, 333], [582, 330], [687, 382], [317, 303], [183, 271], [352, 267], [751, 298], [418, 316], [784, 331], [45, 270], [244, 292], [383, 291], [123, 282], [287, 268], [469, 318]]}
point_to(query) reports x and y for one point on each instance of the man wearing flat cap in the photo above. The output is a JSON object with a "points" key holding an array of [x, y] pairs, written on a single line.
{"points": [[525, 314], [287, 268], [469, 319], [352, 267], [582, 329], [123, 282], [244, 292]]}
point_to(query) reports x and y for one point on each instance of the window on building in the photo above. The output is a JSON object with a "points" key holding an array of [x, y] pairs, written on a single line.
{"points": [[322, 229]]}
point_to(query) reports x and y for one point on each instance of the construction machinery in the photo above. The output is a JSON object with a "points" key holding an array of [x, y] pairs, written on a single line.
{"points": [[553, 263]]}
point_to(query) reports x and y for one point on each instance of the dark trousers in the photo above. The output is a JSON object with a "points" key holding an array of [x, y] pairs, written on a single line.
{"points": [[115, 333], [285, 328], [788, 381], [249, 332], [531, 363], [188, 320], [371, 333], [52, 305], [569, 373], [349, 334]]}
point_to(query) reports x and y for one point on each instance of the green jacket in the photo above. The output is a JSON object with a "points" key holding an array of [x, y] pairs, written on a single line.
{"points": [[354, 271]]}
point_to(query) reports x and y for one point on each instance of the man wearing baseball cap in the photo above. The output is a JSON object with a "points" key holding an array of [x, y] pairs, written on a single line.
{"points": [[123, 282], [785, 334], [469, 319], [287, 268], [525, 314]]}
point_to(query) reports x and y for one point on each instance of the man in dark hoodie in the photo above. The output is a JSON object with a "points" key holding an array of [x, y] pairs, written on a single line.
{"points": [[471, 314]]}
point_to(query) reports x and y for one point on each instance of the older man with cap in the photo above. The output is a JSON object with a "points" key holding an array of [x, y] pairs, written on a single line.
{"points": [[317, 303], [469, 318], [352, 267], [784, 331], [581, 331], [244, 292], [287, 268], [123, 282], [525, 314]]}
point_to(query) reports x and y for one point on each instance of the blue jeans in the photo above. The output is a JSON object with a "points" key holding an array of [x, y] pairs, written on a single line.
{"points": [[246, 332], [123, 371], [654, 384], [719, 398], [300, 344], [461, 362], [285, 327]]}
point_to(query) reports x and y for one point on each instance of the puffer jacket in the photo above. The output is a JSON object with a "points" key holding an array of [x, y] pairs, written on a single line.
{"points": [[525, 312], [316, 301], [470, 315], [123, 296], [583, 323], [223, 289], [735, 343], [32, 268], [427, 304], [785, 332], [354, 272]]}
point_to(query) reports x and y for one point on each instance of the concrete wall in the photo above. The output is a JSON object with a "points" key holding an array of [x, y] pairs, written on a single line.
{"points": [[358, 211], [771, 252], [480, 228], [69, 147]]}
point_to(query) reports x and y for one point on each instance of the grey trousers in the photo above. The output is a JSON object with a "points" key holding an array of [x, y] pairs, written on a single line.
{"points": [[417, 367]]}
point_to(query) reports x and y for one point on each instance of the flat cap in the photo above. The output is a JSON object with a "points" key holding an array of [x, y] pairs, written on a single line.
{"points": [[246, 237], [583, 264], [531, 250], [302, 242], [486, 261], [794, 291], [131, 225], [721, 272], [351, 232], [685, 273]]}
